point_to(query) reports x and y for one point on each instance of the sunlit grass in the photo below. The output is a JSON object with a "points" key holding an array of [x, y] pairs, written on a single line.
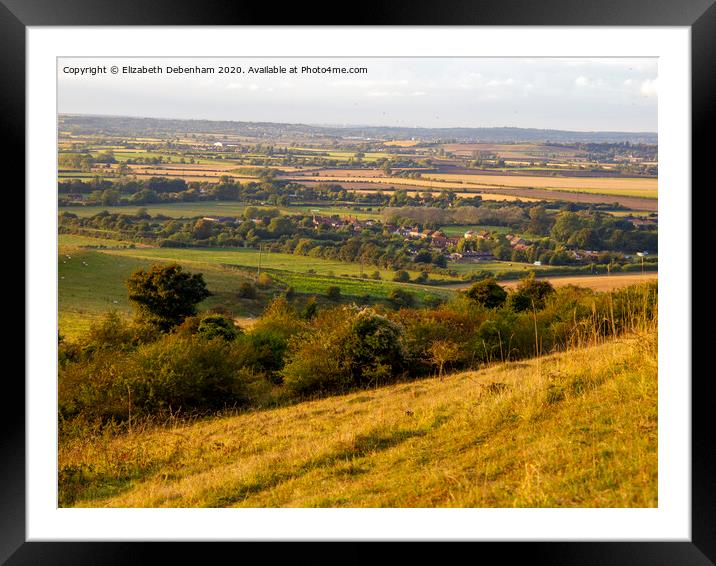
{"points": [[576, 429]]}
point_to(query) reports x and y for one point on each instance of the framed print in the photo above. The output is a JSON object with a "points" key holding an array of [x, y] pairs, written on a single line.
{"points": [[395, 281]]}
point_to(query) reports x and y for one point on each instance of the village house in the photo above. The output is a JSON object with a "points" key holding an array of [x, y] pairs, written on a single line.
{"points": [[223, 219], [515, 241], [644, 222], [473, 235]]}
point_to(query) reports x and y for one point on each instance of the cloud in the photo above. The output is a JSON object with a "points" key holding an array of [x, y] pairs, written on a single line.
{"points": [[650, 87], [498, 82], [366, 83], [582, 81]]}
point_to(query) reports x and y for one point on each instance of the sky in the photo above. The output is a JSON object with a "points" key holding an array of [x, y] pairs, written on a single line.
{"points": [[609, 94]]}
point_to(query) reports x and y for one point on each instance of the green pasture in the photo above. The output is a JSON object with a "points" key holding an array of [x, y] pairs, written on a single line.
{"points": [[216, 208], [456, 230], [90, 283], [495, 266], [249, 258]]}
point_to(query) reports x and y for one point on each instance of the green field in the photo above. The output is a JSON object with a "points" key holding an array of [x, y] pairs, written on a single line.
{"points": [[122, 155], [495, 266], [355, 287], [454, 230], [91, 281], [77, 240], [218, 208], [249, 258], [172, 210]]}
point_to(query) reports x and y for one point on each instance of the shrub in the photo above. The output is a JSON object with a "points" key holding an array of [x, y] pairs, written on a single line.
{"points": [[400, 298], [345, 348], [109, 333], [530, 294], [456, 323], [487, 293], [184, 374], [422, 277], [262, 351], [218, 326], [247, 291], [311, 308], [333, 293], [175, 373], [402, 276], [264, 347], [264, 281]]}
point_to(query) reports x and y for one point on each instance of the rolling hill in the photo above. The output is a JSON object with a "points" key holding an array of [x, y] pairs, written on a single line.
{"points": [[572, 429]]}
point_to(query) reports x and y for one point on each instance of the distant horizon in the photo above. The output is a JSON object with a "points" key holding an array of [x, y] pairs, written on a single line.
{"points": [[356, 125], [566, 94]]}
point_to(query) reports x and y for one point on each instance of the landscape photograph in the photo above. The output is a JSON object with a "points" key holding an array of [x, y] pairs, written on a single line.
{"points": [[362, 283]]}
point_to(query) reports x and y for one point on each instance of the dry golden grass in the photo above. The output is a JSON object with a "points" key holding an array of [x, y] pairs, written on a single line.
{"points": [[595, 282], [577, 429], [638, 187], [402, 143]]}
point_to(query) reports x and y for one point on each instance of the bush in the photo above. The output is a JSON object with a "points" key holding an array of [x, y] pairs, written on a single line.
{"points": [[345, 348], [175, 373], [311, 308], [109, 333], [217, 326], [400, 298], [530, 294], [333, 293], [247, 291], [262, 351], [264, 281], [402, 276], [487, 293]]}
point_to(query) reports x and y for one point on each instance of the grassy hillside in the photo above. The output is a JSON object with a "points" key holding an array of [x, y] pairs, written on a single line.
{"points": [[91, 283], [577, 429]]}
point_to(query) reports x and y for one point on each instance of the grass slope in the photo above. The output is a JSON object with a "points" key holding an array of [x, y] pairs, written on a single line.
{"points": [[93, 282], [577, 429]]}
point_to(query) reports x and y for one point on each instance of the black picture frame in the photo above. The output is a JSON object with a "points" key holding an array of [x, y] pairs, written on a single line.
{"points": [[699, 15]]}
